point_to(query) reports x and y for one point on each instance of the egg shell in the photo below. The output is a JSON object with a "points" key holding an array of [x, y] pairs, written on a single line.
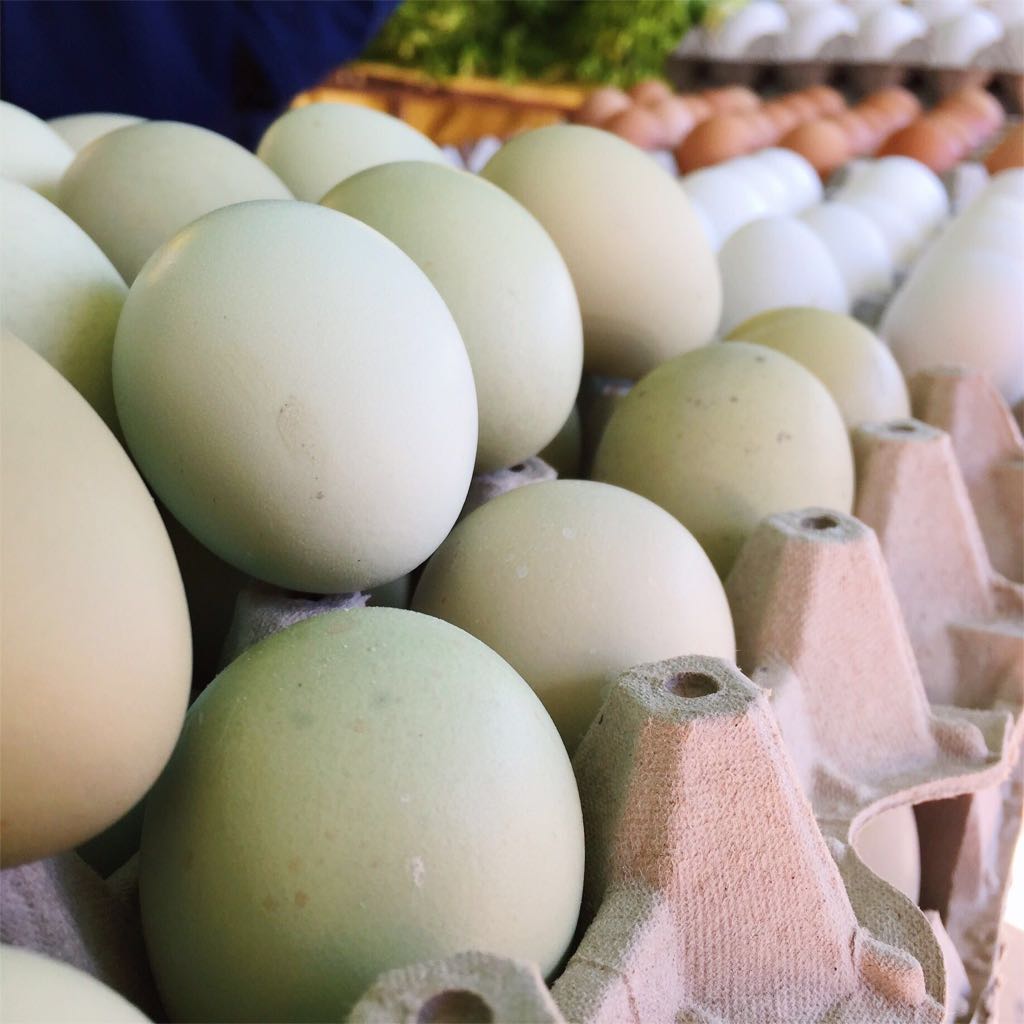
{"points": [[521, 571], [862, 135], [96, 656], [902, 231], [640, 126], [315, 147], [600, 105], [677, 120], [1009, 152], [856, 367], [1008, 183], [776, 262], [732, 99], [78, 130], [698, 106], [783, 117], [888, 844], [59, 293], [897, 100], [857, 246], [766, 181], [726, 200], [644, 273], [904, 181], [134, 189], [829, 101], [37, 990], [722, 437], [373, 775], [801, 183], [825, 145], [650, 92], [929, 140], [961, 309], [314, 384], [720, 137], [32, 152], [504, 282], [802, 106]]}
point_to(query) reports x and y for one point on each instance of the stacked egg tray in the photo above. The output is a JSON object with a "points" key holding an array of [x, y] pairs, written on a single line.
{"points": [[881, 667]]}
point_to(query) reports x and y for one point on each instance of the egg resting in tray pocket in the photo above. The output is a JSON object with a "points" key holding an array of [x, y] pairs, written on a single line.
{"points": [[298, 395]]}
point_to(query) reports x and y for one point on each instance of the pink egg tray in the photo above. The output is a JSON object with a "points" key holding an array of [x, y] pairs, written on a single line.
{"points": [[880, 666]]}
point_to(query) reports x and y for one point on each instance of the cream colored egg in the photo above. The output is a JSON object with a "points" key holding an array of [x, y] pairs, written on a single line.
{"points": [[297, 394], [505, 283], [78, 130], [858, 248], [315, 147], [962, 309], [59, 293], [572, 582], [776, 262], [644, 272], [37, 990], [726, 435], [32, 152], [362, 791], [858, 370], [96, 655], [133, 189], [888, 844]]}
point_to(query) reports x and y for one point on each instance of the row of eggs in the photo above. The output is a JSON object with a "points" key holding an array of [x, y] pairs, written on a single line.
{"points": [[311, 403]]}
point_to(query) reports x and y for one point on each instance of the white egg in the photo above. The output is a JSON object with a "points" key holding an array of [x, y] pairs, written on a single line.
{"points": [[803, 185], [78, 130], [313, 148], [903, 233], [961, 309], [765, 181], [32, 152], [905, 181], [724, 200], [1009, 183], [774, 262], [995, 223], [858, 247]]}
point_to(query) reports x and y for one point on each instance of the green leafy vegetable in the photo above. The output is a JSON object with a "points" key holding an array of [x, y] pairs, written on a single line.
{"points": [[614, 41]]}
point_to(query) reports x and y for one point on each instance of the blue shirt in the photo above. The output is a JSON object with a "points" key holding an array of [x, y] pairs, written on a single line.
{"points": [[228, 65]]}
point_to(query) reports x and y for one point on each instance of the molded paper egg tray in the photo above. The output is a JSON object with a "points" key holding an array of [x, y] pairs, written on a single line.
{"points": [[884, 667]]}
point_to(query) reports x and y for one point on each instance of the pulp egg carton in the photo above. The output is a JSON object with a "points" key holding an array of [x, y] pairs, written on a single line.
{"points": [[881, 667]]}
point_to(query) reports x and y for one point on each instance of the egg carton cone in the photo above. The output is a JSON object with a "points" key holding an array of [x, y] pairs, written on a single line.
{"points": [[965, 622], [61, 908], [989, 450], [722, 882], [599, 397], [486, 486]]}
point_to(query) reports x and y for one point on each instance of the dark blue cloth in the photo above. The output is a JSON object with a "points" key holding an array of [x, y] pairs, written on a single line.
{"points": [[229, 65]]}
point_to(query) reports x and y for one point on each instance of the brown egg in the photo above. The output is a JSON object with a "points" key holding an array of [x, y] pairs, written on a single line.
{"points": [[804, 108], [650, 92], [719, 138], [784, 118], [762, 129], [824, 144], [829, 101], [964, 123], [699, 107], [676, 120], [873, 128], [985, 107], [638, 125], [898, 100], [732, 99], [858, 132], [1009, 152], [601, 105], [928, 140]]}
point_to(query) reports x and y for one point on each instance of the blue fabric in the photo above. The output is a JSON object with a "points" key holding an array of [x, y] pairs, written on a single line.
{"points": [[229, 65]]}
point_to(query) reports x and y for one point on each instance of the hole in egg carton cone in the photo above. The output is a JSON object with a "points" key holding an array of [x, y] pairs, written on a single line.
{"points": [[965, 624], [487, 486]]}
